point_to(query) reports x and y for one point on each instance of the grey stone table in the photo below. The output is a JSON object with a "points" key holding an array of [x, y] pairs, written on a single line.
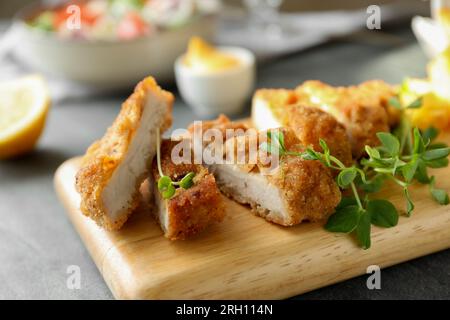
{"points": [[38, 243]]}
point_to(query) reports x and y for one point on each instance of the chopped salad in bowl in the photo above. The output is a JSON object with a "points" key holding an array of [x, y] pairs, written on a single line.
{"points": [[110, 44], [118, 19]]}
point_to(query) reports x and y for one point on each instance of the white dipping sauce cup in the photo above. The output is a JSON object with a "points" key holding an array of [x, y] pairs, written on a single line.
{"points": [[210, 93]]}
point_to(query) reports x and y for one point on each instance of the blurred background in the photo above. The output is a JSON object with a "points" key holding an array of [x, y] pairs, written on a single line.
{"points": [[162, 30], [83, 76], [9, 8]]}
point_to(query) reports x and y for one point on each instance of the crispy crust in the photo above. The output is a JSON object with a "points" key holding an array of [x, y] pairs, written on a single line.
{"points": [[105, 155], [308, 189], [311, 124], [363, 109], [192, 210], [307, 186]]}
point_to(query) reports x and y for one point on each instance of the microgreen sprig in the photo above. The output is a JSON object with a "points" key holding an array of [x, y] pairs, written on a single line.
{"points": [[387, 161], [353, 215], [166, 186]]}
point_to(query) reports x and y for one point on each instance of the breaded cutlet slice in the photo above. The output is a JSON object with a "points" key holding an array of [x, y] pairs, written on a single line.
{"points": [[297, 190], [115, 166], [311, 124], [363, 109], [276, 108], [189, 211]]}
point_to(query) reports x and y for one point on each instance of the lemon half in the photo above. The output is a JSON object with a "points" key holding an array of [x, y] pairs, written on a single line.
{"points": [[24, 104]]}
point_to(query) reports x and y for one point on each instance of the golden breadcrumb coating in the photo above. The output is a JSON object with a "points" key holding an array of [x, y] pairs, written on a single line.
{"points": [[311, 124], [190, 210], [306, 186], [105, 155], [362, 109]]}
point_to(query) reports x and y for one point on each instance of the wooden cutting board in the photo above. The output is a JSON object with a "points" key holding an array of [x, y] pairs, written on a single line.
{"points": [[246, 257]]}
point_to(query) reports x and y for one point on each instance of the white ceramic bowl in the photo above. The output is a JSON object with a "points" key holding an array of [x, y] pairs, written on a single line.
{"points": [[106, 64], [430, 34], [211, 93]]}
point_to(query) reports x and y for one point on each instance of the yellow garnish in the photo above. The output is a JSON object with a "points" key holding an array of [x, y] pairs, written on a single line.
{"points": [[439, 73], [443, 17], [204, 57], [24, 104]]}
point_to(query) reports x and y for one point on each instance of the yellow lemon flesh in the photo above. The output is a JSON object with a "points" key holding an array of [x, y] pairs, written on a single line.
{"points": [[444, 19], [24, 104], [204, 57], [434, 112], [435, 93], [439, 73]]}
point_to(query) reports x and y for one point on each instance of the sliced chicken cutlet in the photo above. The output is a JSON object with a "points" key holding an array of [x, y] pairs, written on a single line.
{"points": [[295, 191], [275, 108], [362, 110], [115, 166], [191, 210]]}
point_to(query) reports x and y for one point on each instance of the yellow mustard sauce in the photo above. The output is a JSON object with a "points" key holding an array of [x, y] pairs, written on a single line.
{"points": [[204, 57]]}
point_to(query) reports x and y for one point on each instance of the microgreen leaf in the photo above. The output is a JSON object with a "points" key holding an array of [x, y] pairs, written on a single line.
{"points": [[439, 163], [187, 180], [310, 154], [397, 164], [343, 220], [169, 192], [419, 145], [326, 151], [382, 213], [409, 170], [409, 203], [373, 153], [430, 134], [164, 182], [275, 143], [395, 102], [435, 154], [415, 104], [421, 172], [389, 142], [324, 146], [345, 202], [373, 185], [439, 195], [437, 145], [346, 177], [363, 230], [278, 137]]}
